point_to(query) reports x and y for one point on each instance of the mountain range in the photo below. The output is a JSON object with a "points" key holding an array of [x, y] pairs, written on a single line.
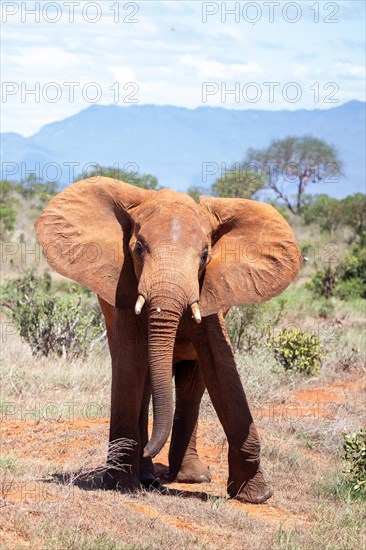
{"points": [[179, 145]]}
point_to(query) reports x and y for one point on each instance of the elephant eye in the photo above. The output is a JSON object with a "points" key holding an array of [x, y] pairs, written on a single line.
{"points": [[204, 257], [139, 249]]}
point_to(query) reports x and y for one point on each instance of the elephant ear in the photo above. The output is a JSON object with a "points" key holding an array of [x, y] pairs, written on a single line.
{"points": [[254, 255], [84, 233]]}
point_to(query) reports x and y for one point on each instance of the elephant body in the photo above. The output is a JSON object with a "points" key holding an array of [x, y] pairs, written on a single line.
{"points": [[165, 270]]}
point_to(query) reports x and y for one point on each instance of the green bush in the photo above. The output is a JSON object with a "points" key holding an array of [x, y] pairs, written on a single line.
{"points": [[326, 309], [323, 283], [7, 210], [50, 322], [354, 460], [351, 289], [352, 274], [297, 351], [347, 281], [354, 265]]}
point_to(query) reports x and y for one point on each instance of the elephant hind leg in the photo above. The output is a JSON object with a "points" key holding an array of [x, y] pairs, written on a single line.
{"points": [[246, 480], [185, 465]]}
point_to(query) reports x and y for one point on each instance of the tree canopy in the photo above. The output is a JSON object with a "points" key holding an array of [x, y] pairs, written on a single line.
{"points": [[146, 181], [238, 182], [295, 162], [331, 213]]}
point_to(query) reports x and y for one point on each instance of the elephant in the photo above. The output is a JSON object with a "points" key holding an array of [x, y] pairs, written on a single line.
{"points": [[165, 270]]}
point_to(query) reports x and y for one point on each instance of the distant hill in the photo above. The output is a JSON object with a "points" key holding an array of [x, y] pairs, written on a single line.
{"points": [[173, 142]]}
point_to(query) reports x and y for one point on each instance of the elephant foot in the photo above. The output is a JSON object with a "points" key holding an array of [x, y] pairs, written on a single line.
{"points": [[150, 481], [118, 480], [254, 491], [194, 471], [191, 471], [148, 478]]}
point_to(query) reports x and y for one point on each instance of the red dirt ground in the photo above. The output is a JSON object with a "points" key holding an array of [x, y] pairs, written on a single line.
{"points": [[57, 442]]}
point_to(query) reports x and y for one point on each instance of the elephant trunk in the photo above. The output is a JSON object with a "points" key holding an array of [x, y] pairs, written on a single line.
{"points": [[163, 324]]}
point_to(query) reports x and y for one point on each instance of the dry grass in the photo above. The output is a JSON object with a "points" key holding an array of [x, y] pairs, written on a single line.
{"points": [[46, 448], [45, 380], [110, 520]]}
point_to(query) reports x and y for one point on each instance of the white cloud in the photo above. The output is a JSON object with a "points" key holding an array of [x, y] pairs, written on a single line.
{"points": [[214, 69], [44, 59], [122, 73], [350, 69], [300, 70]]}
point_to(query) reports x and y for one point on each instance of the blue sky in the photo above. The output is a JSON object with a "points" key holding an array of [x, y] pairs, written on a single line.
{"points": [[274, 55]]}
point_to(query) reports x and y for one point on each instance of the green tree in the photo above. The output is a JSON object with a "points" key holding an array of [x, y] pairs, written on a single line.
{"points": [[238, 182], [331, 213], [241, 181], [326, 211], [146, 181], [196, 191], [354, 213], [296, 161], [7, 210], [323, 282]]}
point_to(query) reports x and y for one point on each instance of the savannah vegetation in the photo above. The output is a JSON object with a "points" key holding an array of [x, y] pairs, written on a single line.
{"points": [[300, 356]]}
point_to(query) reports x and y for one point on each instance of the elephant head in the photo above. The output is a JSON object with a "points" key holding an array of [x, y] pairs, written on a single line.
{"points": [[161, 252]]}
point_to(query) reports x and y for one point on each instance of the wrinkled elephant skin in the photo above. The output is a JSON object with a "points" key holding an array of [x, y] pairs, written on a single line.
{"points": [[165, 270]]}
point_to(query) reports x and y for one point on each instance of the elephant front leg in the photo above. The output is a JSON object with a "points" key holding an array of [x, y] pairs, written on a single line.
{"points": [[185, 465], [129, 372], [216, 358], [147, 475]]}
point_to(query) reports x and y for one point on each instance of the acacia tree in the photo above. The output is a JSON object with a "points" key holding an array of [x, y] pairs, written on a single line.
{"points": [[241, 181], [296, 161]]}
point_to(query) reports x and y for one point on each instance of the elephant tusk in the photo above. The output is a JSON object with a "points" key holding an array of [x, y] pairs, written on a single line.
{"points": [[196, 312], [139, 304]]}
